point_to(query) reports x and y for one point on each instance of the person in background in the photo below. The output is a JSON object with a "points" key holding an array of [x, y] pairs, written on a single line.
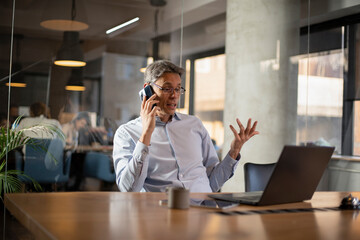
{"points": [[163, 148], [38, 113], [14, 113], [72, 128], [217, 148]]}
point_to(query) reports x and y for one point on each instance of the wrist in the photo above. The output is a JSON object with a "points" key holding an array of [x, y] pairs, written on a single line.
{"points": [[234, 154], [145, 138]]}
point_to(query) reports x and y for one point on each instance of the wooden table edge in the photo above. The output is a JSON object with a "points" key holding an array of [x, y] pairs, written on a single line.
{"points": [[27, 221]]}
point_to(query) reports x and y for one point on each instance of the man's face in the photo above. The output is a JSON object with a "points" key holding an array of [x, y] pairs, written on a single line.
{"points": [[167, 101]]}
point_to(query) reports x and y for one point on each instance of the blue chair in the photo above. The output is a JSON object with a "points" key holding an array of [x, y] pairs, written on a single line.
{"points": [[257, 176], [44, 162], [97, 165]]}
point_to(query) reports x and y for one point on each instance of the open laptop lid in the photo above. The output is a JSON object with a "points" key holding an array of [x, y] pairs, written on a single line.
{"points": [[294, 178], [296, 174]]}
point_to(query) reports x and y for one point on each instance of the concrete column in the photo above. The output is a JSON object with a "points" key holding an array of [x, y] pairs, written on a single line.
{"points": [[261, 83]]}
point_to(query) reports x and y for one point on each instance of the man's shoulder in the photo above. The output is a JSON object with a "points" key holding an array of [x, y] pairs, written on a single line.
{"points": [[130, 125]]}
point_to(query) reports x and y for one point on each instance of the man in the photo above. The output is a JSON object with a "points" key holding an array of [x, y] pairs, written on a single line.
{"points": [[163, 148]]}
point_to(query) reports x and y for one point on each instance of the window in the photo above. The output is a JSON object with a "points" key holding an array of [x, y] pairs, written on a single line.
{"points": [[320, 99], [210, 94]]}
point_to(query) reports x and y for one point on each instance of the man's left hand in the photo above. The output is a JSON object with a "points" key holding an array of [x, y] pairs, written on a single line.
{"points": [[241, 137]]}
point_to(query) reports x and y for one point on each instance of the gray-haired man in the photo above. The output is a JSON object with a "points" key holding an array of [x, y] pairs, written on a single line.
{"points": [[163, 148]]}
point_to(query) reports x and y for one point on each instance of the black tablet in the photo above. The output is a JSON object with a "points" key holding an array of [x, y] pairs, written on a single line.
{"points": [[207, 203]]}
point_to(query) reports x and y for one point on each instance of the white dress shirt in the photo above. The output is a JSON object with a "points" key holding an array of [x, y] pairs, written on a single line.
{"points": [[181, 154], [39, 132]]}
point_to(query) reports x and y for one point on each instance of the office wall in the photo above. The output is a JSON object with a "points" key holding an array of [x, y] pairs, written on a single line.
{"points": [[261, 36]]}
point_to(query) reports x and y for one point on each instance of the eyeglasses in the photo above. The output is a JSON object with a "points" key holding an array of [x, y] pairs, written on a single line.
{"points": [[178, 90]]}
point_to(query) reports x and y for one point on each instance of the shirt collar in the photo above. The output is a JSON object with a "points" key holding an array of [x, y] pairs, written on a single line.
{"points": [[174, 117]]}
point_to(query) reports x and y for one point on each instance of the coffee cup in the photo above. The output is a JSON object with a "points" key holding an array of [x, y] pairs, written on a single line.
{"points": [[178, 198]]}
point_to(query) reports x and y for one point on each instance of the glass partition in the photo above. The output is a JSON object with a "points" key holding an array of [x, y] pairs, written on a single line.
{"points": [[290, 65], [81, 64], [74, 72], [6, 42]]}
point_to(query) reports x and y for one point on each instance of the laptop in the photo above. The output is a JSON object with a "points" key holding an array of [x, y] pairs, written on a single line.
{"points": [[294, 178]]}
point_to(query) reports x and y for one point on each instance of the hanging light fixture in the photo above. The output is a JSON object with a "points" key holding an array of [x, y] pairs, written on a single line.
{"points": [[56, 16], [17, 79], [70, 53], [75, 82]]}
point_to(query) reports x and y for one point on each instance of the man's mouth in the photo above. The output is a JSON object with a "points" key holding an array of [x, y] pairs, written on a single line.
{"points": [[171, 105]]}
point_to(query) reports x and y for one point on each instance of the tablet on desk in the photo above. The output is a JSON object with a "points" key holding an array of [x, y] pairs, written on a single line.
{"points": [[212, 203], [207, 203]]}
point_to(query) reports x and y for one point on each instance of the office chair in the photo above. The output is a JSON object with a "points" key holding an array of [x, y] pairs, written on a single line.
{"points": [[97, 165], [46, 167], [257, 176]]}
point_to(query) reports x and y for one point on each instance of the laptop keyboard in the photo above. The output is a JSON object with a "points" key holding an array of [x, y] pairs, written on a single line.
{"points": [[239, 197], [251, 196]]}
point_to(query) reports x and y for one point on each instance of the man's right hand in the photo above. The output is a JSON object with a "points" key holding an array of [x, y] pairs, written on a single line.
{"points": [[148, 114]]}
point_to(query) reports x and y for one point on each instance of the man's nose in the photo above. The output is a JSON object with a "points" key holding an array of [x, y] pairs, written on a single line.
{"points": [[173, 94]]}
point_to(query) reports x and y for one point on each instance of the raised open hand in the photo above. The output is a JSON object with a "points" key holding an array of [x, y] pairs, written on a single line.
{"points": [[241, 137]]}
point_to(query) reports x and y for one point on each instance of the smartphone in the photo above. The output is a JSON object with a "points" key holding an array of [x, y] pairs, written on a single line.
{"points": [[148, 92]]}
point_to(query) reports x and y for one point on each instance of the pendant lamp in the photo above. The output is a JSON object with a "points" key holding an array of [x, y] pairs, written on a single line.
{"points": [[64, 15], [70, 53], [75, 82], [18, 77]]}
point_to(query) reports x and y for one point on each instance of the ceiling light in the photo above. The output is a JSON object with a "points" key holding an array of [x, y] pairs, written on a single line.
{"points": [[70, 53], [16, 84], [65, 15], [17, 79], [75, 82], [122, 25]]}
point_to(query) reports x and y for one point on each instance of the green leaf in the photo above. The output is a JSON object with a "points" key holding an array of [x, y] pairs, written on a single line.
{"points": [[12, 138]]}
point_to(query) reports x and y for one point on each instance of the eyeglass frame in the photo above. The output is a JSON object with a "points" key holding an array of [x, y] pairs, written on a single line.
{"points": [[172, 90]]}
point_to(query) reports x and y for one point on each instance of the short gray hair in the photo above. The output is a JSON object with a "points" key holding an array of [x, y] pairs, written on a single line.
{"points": [[156, 69]]}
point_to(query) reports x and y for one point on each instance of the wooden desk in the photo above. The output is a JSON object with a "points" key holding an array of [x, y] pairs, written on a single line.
{"points": [[115, 215]]}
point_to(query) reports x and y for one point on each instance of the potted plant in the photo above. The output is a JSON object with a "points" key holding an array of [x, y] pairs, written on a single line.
{"points": [[10, 139]]}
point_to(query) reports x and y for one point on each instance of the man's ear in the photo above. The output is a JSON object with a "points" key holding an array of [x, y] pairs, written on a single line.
{"points": [[145, 84]]}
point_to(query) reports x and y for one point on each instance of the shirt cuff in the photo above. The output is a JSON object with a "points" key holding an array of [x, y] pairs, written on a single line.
{"points": [[236, 159], [231, 163], [231, 160]]}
